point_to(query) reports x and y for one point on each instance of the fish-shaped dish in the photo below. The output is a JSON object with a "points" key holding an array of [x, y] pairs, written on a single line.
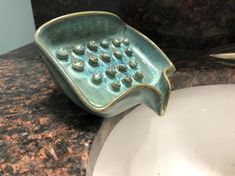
{"points": [[104, 65]]}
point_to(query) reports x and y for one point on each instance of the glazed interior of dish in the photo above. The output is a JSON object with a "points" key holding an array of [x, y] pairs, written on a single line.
{"points": [[103, 58]]}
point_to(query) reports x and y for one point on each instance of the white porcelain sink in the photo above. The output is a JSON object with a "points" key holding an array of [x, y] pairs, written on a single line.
{"points": [[196, 137]]}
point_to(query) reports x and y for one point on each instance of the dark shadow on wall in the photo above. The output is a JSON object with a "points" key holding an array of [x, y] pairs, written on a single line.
{"points": [[201, 24]]}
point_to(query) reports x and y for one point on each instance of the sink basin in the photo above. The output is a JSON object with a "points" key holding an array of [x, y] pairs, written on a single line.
{"points": [[196, 137]]}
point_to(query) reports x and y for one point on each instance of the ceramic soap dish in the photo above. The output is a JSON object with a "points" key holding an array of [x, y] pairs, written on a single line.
{"points": [[104, 65]]}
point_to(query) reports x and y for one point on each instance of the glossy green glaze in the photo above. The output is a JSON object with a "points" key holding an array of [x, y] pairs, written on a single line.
{"points": [[104, 65]]}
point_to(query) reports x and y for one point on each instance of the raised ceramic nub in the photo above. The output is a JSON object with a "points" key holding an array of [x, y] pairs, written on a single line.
{"points": [[79, 49], [116, 86], [97, 78], [125, 41], [122, 68], [105, 57], [111, 72], [62, 53], [116, 42], [133, 64], [129, 51], [78, 65], [93, 61], [127, 81], [104, 43], [138, 76], [117, 54], [92, 45]]}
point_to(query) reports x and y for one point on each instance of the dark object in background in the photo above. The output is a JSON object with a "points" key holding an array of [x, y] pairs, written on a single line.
{"points": [[201, 24]]}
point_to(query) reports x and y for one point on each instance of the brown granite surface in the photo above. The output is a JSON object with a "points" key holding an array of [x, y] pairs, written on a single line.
{"points": [[196, 68], [43, 133]]}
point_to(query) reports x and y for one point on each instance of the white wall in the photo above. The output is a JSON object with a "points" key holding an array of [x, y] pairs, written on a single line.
{"points": [[16, 24]]}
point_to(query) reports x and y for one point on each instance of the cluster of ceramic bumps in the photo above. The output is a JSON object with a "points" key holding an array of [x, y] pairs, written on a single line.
{"points": [[106, 57]]}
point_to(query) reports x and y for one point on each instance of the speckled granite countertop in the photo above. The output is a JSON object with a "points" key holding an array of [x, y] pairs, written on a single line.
{"points": [[43, 133]]}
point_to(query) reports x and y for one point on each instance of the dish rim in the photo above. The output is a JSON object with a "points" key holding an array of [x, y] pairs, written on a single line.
{"points": [[78, 92]]}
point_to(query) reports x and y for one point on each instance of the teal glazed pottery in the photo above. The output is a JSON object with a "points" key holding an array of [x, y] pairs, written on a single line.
{"points": [[104, 65]]}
